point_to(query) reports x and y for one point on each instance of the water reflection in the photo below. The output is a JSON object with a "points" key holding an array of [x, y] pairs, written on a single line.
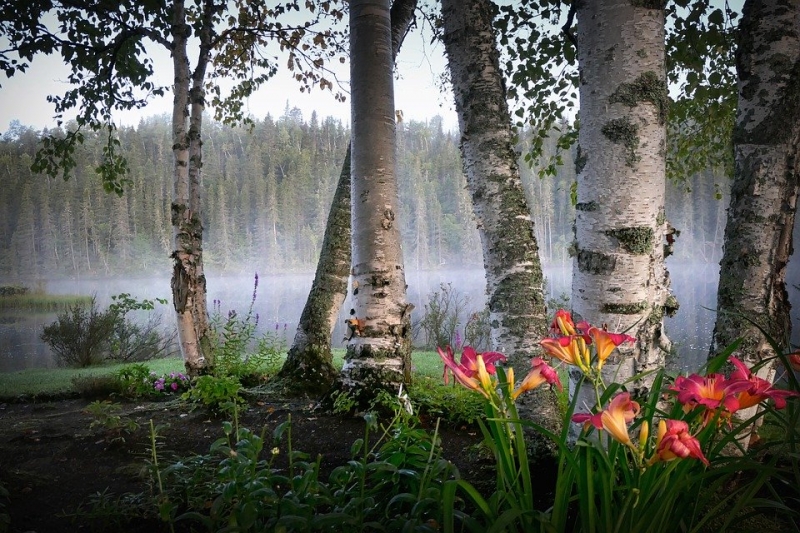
{"points": [[280, 301]]}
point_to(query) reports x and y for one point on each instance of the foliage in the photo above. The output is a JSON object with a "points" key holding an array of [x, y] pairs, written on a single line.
{"points": [[237, 351], [216, 393], [393, 484], [83, 336], [13, 290], [138, 380], [105, 417], [451, 404]]}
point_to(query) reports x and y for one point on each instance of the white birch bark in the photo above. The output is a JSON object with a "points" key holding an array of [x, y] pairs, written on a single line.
{"points": [[188, 281], [619, 275], [758, 234], [514, 280], [378, 352]]}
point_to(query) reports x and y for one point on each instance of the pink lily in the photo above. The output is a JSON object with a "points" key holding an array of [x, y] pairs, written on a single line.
{"points": [[674, 441], [712, 392], [759, 390], [466, 372]]}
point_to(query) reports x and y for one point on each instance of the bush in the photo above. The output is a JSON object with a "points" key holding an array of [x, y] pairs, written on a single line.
{"points": [[83, 335], [80, 337], [442, 317]]}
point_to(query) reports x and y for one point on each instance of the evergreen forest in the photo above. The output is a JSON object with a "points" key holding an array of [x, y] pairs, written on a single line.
{"points": [[267, 194]]}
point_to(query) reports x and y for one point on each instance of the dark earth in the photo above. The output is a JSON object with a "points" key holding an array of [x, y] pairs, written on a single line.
{"points": [[52, 461]]}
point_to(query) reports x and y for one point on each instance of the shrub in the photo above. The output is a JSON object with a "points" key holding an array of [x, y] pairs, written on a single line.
{"points": [[80, 337], [83, 335], [442, 316], [217, 393]]}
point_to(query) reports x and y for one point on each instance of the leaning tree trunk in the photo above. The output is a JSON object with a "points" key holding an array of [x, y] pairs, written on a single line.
{"points": [[188, 280], [619, 274], [309, 363], [514, 281], [758, 234], [378, 352]]}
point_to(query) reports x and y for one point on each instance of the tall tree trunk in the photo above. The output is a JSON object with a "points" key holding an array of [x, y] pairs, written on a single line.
{"points": [[758, 234], [378, 352], [188, 281], [619, 274], [514, 280], [309, 363]]}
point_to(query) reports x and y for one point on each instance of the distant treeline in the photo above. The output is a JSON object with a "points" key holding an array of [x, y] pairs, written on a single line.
{"points": [[267, 194]]}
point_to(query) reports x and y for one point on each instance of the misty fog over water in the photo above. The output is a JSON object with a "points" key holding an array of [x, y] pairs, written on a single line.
{"points": [[280, 300]]}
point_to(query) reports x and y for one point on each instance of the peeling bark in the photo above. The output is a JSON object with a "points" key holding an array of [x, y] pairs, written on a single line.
{"points": [[514, 279], [758, 234], [188, 281], [619, 274]]}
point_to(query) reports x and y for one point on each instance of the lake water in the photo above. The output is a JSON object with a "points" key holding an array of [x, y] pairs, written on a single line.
{"points": [[280, 300]]}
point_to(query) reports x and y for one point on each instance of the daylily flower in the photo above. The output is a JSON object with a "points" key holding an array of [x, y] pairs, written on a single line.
{"points": [[605, 343], [759, 390], [794, 361], [540, 373], [615, 419], [712, 392], [470, 367], [674, 440], [562, 323], [573, 350]]}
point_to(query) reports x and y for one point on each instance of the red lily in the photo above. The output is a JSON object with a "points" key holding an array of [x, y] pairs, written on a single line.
{"points": [[674, 440], [615, 419], [759, 389]]}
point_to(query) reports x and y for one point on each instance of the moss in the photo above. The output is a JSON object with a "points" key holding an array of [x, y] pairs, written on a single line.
{"points": [[587, 206], [641, 52], [595, 262], [625, 309], [671, 306], [623, 131], [636, 240], [648, 87], [580, 160], [661, 217]]}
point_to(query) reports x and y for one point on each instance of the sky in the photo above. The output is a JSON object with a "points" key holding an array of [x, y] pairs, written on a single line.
{"points": [[418, 91]]}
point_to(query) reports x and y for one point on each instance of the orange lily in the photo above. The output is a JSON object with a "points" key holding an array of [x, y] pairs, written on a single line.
{"points": [[621, 412], [712, 392], [540, 373], [572, 350], [605, 343]]}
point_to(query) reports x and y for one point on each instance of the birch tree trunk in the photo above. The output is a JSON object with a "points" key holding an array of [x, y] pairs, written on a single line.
{"points": [[619, 274], [378, 352], [514, 280], [309, 363], [758, 234], [188, 281]]}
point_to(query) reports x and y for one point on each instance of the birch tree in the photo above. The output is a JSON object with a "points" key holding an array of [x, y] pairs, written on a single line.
{"points": [[619, 275], [514, 280], [378, 352], [763, 203], [309, 363]]}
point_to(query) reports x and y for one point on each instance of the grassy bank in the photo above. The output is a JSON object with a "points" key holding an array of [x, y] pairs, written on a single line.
{"points": [[41, 302], [57, 381]]}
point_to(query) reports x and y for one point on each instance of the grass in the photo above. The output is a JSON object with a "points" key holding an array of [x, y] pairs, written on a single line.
{"points": [[41, 302], [52, 381]]}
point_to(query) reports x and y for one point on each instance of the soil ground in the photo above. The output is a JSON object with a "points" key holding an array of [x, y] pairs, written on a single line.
{"points": [[51, 461]]}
